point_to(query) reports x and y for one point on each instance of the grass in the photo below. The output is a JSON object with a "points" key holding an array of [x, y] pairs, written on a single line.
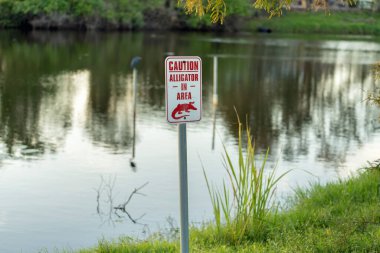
{"points": [[343, 216], [127, 245], [322, 22], [241, 214], [338, 217]]}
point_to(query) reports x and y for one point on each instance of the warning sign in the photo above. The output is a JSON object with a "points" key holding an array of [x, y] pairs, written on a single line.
{"points": [[183, 84]]}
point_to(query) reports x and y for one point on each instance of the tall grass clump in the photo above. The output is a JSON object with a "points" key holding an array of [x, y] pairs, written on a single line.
{"points": [[241, 208]]}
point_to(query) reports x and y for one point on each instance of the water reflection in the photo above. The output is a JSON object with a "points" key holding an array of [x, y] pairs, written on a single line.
{"points": [[110, 112], [304, 93], [67, 107], [214, 98], [295, 103]]}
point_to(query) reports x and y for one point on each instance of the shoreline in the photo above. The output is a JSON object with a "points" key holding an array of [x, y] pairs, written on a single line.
{"points": [[342, 216], [291, 22]]}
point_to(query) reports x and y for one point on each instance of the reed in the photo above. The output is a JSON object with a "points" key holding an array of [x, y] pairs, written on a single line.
{"points": [[241, 207]]}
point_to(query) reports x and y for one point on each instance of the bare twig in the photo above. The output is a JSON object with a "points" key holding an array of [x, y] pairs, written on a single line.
{"points": [[99, 191], [135, 221], [107, 187], [135, 191]]}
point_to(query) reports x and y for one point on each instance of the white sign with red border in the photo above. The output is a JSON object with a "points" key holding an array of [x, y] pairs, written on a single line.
{"points": [[183, 85]]}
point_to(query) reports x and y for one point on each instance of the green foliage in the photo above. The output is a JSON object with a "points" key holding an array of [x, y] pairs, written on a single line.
{"points": [[243, 212], [85, 7], [274, 8], [128, 11], [8, 16], [119, 12], [195, 22], [239, 7], [44, 6]]}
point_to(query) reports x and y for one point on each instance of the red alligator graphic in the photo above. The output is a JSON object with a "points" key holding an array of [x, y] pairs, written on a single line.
{"points": [[183, 107]]}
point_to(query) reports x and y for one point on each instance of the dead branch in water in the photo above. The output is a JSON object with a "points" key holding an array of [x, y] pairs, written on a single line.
{"points": [[122, 207], [106, 191]]}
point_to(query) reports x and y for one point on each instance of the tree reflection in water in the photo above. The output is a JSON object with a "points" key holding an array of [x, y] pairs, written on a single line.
{"points": [[298, 94]]}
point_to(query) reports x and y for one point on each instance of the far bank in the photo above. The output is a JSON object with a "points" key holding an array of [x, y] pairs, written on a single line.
{"points": [[154, 15]]}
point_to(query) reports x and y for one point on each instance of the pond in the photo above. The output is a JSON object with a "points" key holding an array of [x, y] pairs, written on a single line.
{"points": [[66, 126]]}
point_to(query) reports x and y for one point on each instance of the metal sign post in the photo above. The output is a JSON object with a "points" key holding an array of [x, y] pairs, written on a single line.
{"points": [[184, 210], [183, 87]]}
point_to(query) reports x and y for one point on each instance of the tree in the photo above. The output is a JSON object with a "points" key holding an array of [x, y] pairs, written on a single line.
{"points": [[218, 9]]}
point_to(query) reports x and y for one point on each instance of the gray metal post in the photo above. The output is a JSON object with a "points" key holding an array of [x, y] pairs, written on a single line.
{"points": [[184, 210], [215, 90]]}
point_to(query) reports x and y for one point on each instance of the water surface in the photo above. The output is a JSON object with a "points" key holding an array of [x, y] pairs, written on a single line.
{"points": [[66, 126]]}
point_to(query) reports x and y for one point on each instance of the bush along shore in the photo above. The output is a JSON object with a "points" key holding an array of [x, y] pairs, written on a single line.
{"points": [[167, 15], [342, 216]]}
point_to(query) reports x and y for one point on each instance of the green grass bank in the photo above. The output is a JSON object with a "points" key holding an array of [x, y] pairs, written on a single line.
{"points": [[343, 216], [321, 22]]}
